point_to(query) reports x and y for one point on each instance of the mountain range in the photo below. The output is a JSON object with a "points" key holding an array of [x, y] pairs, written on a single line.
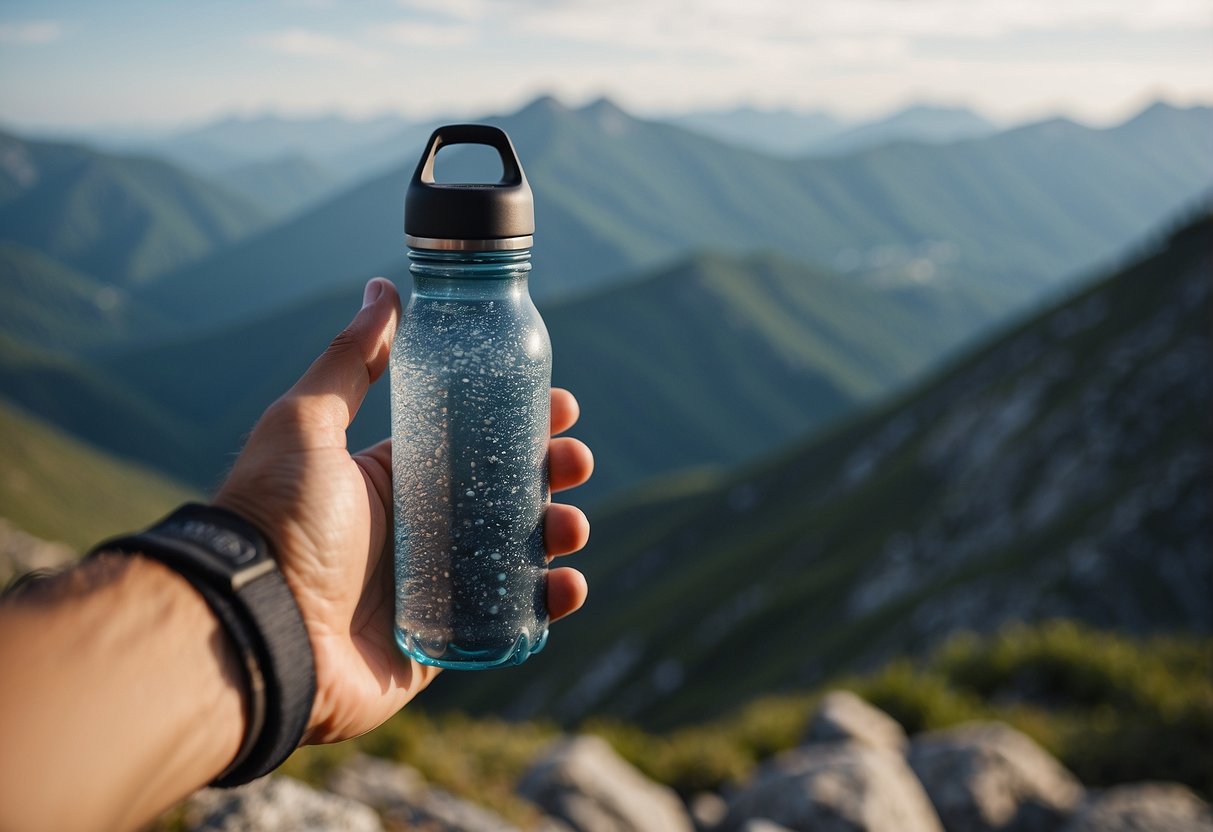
{"points": [[1063, 470], [121, 219], [1006, 216], [653, 353]]}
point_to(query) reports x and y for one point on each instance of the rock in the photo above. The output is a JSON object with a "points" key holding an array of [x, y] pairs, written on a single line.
{"points": [[835, 787], [277, 804], [404, 798], [583, 782], [707, 809], [844, 716], [988, 777], [21, 553], [1144, 807], [762, 825]]}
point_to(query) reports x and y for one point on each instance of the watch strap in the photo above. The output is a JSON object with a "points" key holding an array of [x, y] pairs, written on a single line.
{"points": [[227, 560]]}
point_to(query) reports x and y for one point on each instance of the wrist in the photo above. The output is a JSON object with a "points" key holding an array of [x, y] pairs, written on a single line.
{"points": [[218, 688], [227, 561], [128, 666]]}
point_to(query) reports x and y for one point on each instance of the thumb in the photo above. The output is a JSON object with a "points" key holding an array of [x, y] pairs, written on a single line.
{"points": [[338, 380]]}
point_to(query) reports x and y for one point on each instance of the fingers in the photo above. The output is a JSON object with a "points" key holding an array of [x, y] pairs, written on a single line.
{"points": [[338, 380], [567, 591], [565, 410], [570, 463], [381, 454], [565, 530]]}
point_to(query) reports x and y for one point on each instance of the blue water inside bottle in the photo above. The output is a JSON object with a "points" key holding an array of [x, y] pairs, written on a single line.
{"points": [[470, 378]]}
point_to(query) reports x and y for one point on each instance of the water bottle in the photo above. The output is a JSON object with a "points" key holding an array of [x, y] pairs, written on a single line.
{"points": [[471, 370]]}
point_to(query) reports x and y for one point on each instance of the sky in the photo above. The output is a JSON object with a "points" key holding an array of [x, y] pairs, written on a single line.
{"points": [[134, 63]]}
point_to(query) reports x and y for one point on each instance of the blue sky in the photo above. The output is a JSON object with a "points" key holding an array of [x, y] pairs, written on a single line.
{"points": [[132, 62]]}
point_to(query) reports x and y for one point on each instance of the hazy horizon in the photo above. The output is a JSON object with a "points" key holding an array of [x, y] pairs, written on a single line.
{"points": [[139, 65], [150, 132]]}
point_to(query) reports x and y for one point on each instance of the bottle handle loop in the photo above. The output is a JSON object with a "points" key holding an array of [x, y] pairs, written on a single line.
{"points": [[494, 137]]}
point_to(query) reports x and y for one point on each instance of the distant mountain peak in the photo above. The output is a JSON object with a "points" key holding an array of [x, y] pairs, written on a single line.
{"points": [[545, 104], [607, 115], [602, 104]]}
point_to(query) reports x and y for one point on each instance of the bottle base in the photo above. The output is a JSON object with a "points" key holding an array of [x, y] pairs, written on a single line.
{"points": [[453, 657]]}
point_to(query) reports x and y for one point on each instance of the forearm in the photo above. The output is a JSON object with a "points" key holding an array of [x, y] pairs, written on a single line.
{"points": [[120, 696]]}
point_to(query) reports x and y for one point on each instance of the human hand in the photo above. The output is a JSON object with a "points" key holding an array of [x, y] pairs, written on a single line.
{"points": [[327, 514]]}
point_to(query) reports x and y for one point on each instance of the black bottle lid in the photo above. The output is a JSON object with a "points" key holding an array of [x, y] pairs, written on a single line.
{"points": [[498, 216]]}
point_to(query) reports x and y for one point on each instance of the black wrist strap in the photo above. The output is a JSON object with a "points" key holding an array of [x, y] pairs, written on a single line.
{"points": [[227, 560]]}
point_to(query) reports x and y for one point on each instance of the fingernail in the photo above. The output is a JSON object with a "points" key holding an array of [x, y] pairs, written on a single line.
{"points": [[374, 288]]}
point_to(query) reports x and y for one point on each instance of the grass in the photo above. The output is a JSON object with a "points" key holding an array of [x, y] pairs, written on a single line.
{"points": [[57, 488]]}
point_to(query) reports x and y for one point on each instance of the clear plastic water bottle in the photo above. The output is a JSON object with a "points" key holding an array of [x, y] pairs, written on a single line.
{"points": [[470, 374]]}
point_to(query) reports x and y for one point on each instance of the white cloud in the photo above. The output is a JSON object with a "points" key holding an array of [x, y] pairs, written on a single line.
{"points": [[308, 44], [776, 37], [31, 32], [425, 35]]}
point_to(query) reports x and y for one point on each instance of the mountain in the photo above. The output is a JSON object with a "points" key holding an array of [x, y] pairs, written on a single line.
{"points": [[918, 123], [1011, 214], [710, 361], [56, 308], [779, 132], [280, 186], [58, 488], [95, 406], [124, 220], [1062, 471], [816, 133], [219, 146]]}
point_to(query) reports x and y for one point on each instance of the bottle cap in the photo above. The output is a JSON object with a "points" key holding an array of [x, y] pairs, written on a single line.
{"points": [[498, 216]]}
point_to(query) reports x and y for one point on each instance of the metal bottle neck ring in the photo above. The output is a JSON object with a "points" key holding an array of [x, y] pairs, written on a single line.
{"points": [[500, 244]]}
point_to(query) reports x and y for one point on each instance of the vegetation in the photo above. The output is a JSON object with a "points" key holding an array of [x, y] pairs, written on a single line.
{"points": [[1113, 709], [57, 488]]}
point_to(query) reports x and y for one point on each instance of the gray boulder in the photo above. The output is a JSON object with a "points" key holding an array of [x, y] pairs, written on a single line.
{"points": [[404, 798], [988, 777], [583, 782], [1143, 807], [277, 804], [844, 716], [837, 787]]}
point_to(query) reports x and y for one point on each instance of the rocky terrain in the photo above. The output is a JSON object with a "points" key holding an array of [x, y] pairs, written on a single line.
{"points": [[855, 771]]}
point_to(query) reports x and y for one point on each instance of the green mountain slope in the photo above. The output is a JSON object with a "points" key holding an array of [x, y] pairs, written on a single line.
{"points": [[98, 408], [1064, 470], [58, 488], [1005, 215], [124, 220], [54, 307], [709, 362], [281, 186]]}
